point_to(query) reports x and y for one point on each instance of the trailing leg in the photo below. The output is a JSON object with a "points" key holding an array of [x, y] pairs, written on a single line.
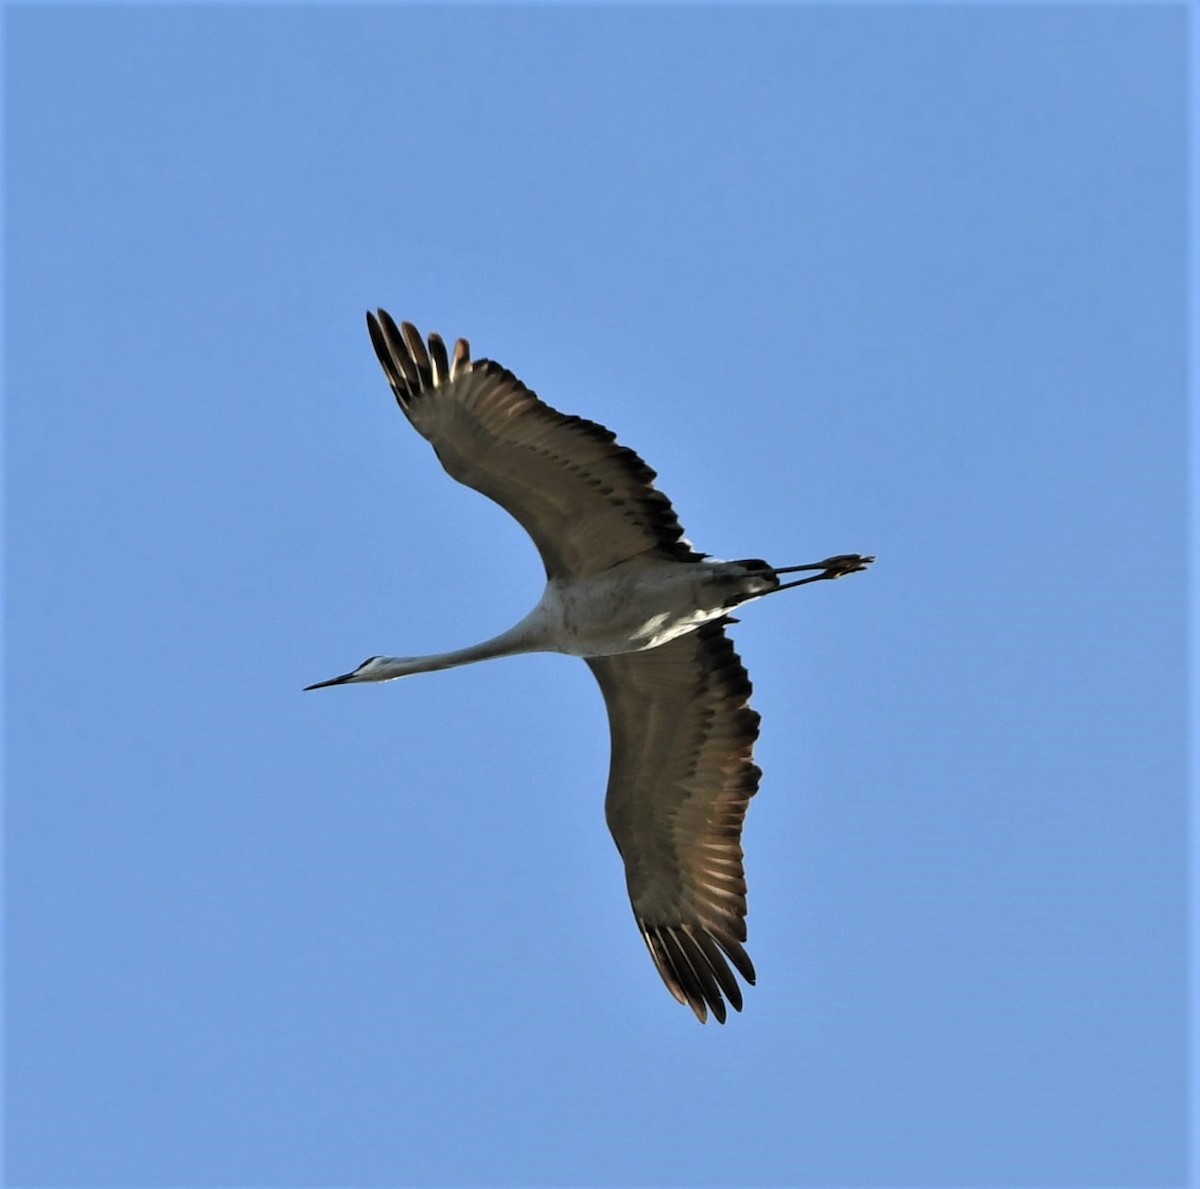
{"points": [[832, 567]]}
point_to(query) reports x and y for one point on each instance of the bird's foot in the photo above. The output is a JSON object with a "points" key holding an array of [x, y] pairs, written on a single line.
{"points": [[843, 564], [832, 567]]}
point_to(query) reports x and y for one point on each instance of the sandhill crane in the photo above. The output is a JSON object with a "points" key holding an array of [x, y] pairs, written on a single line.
{"points": [[628, 593]]}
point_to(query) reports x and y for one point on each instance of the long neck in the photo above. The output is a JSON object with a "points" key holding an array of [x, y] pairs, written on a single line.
{"points": [[527, 636]]}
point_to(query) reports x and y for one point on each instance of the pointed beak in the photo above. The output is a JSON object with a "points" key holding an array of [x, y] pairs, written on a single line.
{"points": [[332, 681]]}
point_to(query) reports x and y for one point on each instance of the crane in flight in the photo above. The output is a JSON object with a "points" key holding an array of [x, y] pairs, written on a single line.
{"points": [[626, 592]]}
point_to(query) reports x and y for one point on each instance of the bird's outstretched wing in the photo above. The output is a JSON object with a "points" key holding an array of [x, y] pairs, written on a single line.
{"points": [[681, 778], [587, 502]]}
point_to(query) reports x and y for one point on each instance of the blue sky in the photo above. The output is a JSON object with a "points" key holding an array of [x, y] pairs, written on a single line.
{"points": [[904, 280]]}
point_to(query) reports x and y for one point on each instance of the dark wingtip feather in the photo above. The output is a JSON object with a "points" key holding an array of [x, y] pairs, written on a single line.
{"points": [[384, 354], [462, 358], [412, 367], [720, 968], [693, 976], [693, 964], [417, 352], [397, 351], [737, 955], [439, 359]]}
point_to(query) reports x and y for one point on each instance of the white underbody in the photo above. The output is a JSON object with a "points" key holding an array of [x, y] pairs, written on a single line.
{"points": [[637, 605]]}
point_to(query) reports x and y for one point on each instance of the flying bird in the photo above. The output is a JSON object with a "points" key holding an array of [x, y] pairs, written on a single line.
{"points": [[626, 592]]}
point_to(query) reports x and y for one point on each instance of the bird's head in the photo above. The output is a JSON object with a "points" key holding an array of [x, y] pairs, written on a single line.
{"points": [[374, 668]]}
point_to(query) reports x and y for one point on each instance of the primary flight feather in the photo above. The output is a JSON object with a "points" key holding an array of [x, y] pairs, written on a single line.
{"points": [[628, 593]]}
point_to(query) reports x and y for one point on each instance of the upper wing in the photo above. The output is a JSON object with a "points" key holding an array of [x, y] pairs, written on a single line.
{"points": [[587, 502], [681, 778]]}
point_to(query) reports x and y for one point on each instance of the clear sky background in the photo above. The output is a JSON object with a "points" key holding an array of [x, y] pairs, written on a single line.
{"points": [[904, 280]]}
